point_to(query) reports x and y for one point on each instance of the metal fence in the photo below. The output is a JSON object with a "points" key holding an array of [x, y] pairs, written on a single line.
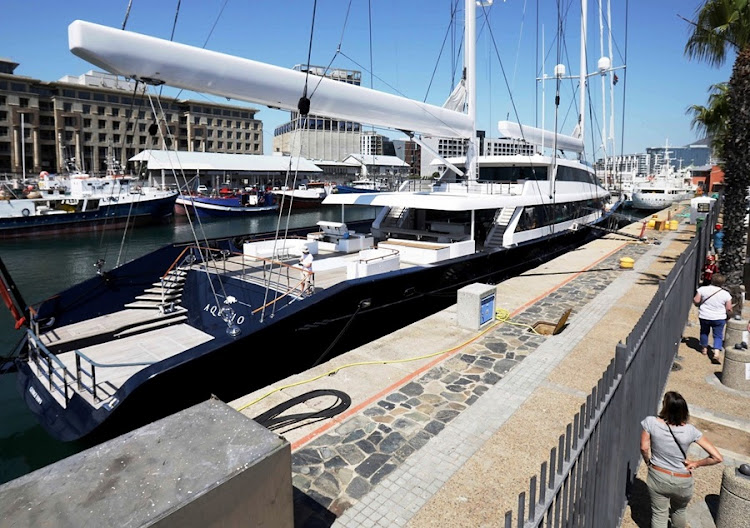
{"points": [[586, 481]]}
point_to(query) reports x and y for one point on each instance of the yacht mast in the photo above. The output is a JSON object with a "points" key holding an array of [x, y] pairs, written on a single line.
{"points": [[582, 73], [470, 65]]}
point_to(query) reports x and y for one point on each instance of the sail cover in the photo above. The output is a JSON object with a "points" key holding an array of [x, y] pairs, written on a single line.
{"points": [[150, 59]]}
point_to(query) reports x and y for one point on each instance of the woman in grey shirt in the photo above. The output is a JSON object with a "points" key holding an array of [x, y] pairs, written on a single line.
{"points": [[664, 441]]}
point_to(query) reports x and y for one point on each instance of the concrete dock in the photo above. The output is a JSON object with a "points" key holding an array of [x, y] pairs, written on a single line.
{"points": [[436, 425]]}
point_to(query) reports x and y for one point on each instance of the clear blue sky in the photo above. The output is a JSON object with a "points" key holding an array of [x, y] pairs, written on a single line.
{"points": [[659, 84]]}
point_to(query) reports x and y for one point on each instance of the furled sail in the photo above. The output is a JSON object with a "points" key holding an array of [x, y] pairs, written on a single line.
{"points": [[538, 136], [150, 59]]}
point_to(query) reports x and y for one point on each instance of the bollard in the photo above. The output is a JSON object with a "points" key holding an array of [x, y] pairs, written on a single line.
{"points": [[734, 500], [733, 332], [735, 373]]}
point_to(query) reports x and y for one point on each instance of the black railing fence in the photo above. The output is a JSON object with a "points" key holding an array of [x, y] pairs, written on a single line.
{"points": [[586, 481]]}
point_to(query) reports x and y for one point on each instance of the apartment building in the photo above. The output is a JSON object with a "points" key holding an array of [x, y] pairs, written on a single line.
{"points": [[98, 118]]}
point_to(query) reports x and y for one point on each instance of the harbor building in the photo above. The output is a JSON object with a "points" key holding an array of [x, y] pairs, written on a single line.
{"points": [[96, 117], [411, 153], [316, 137]]}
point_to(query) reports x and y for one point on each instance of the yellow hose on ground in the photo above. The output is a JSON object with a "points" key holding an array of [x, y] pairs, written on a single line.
{"points": [[501, 315]]}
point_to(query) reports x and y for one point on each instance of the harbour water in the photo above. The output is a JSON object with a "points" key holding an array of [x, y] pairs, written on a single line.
{"points": [[45, 266]]}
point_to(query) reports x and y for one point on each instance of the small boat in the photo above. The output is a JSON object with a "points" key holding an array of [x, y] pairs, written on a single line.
{"points": [[361, 186], [77, 203], [227, 204], [305, 196]]}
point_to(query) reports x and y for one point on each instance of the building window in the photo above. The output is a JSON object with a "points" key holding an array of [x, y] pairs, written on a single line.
{"points": [[220, 144], [23, 102], [113, 99], [142, 140], [115, 112], [129, 139], [116, 138], [68, 135], [229, 135], [70, 121], [100, 110], [102, 138], [3, 115], [68, 93], [115, 125], [196, 120], [102, 124], [219, 122], [17, 87], [3, 131], [99, 97], [84, 95], [87, 136], [130, 126], [256, 148]]}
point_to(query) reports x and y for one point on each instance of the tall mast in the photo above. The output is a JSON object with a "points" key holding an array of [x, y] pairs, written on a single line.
{"points": [[582, 73], [470, 65]]}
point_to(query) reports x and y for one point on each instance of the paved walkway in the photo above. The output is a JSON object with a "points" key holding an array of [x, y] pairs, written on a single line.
{"points": [[452, 438]]}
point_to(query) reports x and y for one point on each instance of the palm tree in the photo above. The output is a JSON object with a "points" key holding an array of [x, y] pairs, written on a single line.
{"points": [[722, 27], [711, 120]]}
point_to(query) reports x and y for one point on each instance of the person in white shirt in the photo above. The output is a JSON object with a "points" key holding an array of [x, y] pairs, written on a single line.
{"points": [[306, 261], [714, 303]]}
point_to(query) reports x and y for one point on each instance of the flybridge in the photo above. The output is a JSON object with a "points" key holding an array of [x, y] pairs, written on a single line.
{"points": [[158, 61]]}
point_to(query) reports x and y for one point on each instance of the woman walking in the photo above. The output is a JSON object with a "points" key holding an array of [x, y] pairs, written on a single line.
{"points": [[665, 440], [714, 304]]}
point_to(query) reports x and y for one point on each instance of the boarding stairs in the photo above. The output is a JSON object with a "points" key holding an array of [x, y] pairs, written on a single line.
{"points": [[499, 226], [164, 295], [395, 217]]}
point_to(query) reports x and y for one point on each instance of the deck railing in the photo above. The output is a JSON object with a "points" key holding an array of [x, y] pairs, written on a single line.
{"points": [[49, 367], [588, 476], [81, 372]]}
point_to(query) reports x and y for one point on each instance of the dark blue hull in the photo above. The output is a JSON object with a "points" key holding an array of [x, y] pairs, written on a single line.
{"points": [[221, 207], [113, 216], [345, 189]]}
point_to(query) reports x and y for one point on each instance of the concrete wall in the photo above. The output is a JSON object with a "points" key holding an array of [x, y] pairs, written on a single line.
{"points": [[205, 466]]}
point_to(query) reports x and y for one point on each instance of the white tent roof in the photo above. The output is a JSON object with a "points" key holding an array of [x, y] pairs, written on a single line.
{"points": [[369, 159], [166, 159]]}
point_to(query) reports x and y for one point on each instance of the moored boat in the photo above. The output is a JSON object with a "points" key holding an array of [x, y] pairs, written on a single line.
{"points": [[239, 204], [200, 318], [79, 203]]}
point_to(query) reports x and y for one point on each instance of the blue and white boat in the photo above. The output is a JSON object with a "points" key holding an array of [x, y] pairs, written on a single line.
{"points": [[79, 203], [240, 204]]}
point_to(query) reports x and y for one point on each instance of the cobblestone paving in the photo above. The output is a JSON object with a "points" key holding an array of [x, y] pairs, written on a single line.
{"points": [[339, 468]]}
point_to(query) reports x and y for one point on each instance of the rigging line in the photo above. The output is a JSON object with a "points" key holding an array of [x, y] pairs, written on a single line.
{"points": [[127, 14], [106, 217], [369, 23], [398, 92], [624, 85], [171, 35], [296, 137], [515, 109], [338, 49], [440, 54], [208, 37], [210, 254], [309, 48]]}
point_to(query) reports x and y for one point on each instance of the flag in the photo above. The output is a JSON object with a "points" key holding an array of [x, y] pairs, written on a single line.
{"points": [[615, 79]]}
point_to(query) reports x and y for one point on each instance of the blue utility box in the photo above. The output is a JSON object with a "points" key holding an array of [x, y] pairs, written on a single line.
{"points": [[476, 306]]}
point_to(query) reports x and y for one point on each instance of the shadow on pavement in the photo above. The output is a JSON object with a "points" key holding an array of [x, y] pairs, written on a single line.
{"points": [[640, 503]]}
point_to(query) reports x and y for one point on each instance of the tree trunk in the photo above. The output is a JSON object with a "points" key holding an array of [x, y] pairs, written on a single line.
{"points": [[737, 171]]}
